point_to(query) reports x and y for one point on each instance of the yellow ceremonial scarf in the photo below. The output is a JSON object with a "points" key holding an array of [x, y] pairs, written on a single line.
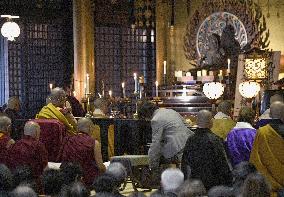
{"points": [[221, 127], [268, 156], [51, 112]]}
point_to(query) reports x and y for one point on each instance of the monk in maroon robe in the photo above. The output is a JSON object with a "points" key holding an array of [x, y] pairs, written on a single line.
{"points": [[84, 150], [5, 139], [29, 151]]}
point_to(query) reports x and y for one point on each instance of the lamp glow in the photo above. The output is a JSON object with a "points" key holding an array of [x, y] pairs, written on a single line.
{"points": [[249, 89], [213, 90], [10, 30]]}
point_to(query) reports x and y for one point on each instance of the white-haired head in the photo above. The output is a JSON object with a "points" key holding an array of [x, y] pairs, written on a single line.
{"points": [[276, 110], [118, 171], [14, 103], [5, 123], [58, 97], [84, 125], [32, 129], [171, 179]]}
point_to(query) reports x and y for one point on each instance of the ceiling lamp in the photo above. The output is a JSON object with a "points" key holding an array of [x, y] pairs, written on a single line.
{"points": [[10, 29], [249, 89], [213, 90]]}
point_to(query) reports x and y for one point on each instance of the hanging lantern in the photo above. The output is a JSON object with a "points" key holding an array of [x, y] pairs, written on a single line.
{"points": [[213, 90], [249, 89], [10, 29]]}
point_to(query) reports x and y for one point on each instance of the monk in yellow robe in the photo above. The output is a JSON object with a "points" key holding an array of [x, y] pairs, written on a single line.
{"points": [[101, 109], [268, 149], [222, 122], [55, 109]]}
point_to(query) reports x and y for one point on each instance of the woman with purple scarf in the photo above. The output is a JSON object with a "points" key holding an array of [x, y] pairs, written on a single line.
{"points": [[240, 139]]}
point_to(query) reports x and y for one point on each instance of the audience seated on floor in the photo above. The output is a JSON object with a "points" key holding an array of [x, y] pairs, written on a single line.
{"points": [[192, 188], [23, 191], [204, 155], [221, 191], [84, 150], [5, 139], [118, 171], [171, 180], [256, 185], [240, 173], [222, 122], [240, 139], [29, 151], [13, 112], [6, 179], [71, 172], [52, 182], [56, 110], [104, 184], [23, 175], [268, 149]]}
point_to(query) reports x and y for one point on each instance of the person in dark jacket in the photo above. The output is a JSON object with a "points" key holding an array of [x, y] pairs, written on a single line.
{"points": [[204, 155]]}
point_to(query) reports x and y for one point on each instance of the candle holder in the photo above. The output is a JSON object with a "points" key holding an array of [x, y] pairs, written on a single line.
{"points": [[88, 105]]}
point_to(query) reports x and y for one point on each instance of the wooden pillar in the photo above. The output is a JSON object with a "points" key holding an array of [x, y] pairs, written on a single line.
{"points": [[161, 38], [83, 36]]}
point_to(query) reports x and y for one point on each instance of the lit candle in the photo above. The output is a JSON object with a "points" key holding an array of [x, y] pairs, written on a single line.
{"points": [[157, 89], [74, 93], [165, 67], [87, 83], [50, 86], [136, 82], [110, 93], [123, 89], [229, 66], [88, 104], [198, 73], [204, 72]]}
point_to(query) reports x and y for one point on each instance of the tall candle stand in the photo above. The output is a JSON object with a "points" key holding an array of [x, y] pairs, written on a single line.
{"points": [[88, 106]]}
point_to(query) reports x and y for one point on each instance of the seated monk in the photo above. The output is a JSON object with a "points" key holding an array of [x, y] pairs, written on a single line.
{"points": [[240, 139], [268, 149], [101, 109], [222, 122], [55, 109], [5, 140], [84, 150], [29, 151]]}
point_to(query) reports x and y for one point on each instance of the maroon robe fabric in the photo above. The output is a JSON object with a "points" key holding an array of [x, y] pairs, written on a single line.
{"points": [[4, 155], [29, 152], [80, 149], [51, 135]]}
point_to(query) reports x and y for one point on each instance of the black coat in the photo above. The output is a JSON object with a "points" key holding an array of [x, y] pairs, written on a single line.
{"points": [[204, 158]]}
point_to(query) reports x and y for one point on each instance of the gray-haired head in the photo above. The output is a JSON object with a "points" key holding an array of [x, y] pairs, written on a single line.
{"points": [[225, 107], [84, 125], [58, 97], [276, 110], [204, 119], [118, 171], [23, 191], [32, 129], [5, 123], [172, 179], [14, 103], [276, 97]]}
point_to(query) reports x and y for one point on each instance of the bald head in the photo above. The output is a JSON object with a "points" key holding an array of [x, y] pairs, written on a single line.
{"points": [[57, 97], [225, 107], [5, 122], [275, 98], [204, 119], [32, 129], [84, 125], [276, 110]]}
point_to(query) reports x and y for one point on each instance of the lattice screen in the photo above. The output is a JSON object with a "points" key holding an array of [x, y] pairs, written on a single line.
{"points": [[121, 51]]}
